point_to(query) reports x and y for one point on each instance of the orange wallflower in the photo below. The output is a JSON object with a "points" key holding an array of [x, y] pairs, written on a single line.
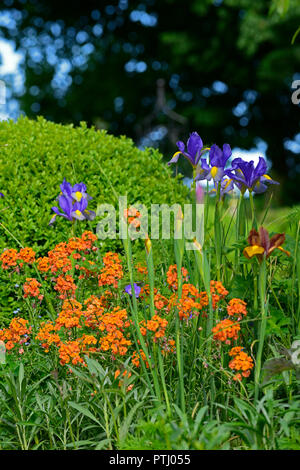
{"points": [[9, 258], [142, 269], [27, 255], [43, 264], [191, 302], [70, 352], [226, 330], [136, 358], [241, 362], [172, 277], [32, 288], [12, 335], [156, 325], [66, 286], [47, 335], [112, 271], [237, 308], [218, 292], [70, 315]]}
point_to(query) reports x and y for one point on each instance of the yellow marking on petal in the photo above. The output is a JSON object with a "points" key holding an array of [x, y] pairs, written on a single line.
{"points": [[78, 195], [227, 183], [267, 176], [284, 251], [206, 149], [176, 153], [77, 212], [253, 250], [214, 171]]}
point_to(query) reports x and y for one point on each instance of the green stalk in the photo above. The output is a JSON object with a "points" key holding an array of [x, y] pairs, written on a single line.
{"points": [[255, 276], [179, 252], [262, 327], [218, 233], [163, 381], [237, 229], [253, 217], [128, 252]]}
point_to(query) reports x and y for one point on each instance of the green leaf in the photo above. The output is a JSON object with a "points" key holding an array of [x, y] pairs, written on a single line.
{"points": [[82, 409]]}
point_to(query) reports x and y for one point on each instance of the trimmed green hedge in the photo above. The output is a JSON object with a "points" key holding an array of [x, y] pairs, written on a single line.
{"points": [[35, 156]]}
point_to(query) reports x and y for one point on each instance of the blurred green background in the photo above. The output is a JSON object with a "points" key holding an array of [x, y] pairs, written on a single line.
{"points": [[156, 70]]}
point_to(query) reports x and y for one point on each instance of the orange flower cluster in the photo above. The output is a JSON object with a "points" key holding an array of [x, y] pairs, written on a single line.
{"points": [[70, 352], [114, 323], [65, 286], [70, 315], [136, 358], [112, 271], [160, 301], [226, 330], [156, 325], [132, 216], [10, 257], [94, 311], [13, 334], [32, 288], [115, 342], [218, 292], [109, 330], [191, 301], [172, 277], [142, 269], [27, 255], [237, 308], [47, 335], [241, 362], [58, 259]]}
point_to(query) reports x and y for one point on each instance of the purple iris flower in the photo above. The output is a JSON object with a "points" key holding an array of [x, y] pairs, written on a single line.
{"points": [[247, 176], [1, 195], [72, 208], [81, 212], [137, 289], [226, 187], [77, 192], [217, 161], [192, 153], [66, 188]]}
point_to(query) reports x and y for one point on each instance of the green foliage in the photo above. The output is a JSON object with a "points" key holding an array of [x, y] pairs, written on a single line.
{"points": [[37, 156], [180, 433]]}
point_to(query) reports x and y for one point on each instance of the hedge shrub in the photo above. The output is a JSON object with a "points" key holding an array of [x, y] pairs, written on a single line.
{"points": [[35, 156]]}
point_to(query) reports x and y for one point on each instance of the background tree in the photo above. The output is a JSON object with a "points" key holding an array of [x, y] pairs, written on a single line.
{"points": [[155, 70]]}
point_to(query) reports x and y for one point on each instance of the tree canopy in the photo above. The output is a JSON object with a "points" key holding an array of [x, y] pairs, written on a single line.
{"points": [[156, 70]]}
